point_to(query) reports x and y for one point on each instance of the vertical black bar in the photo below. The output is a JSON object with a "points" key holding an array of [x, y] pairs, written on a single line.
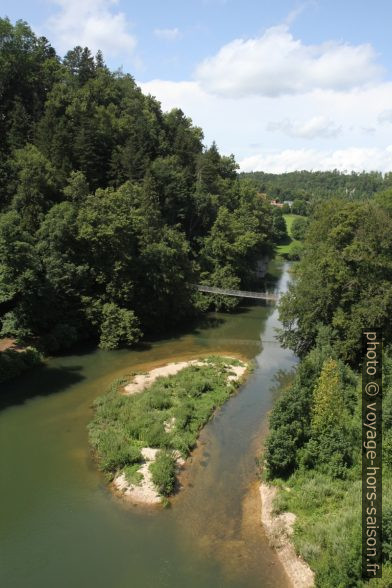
{"points": [[372, 454]]}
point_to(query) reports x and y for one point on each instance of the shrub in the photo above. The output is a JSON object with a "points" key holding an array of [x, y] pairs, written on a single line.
{"points": [[155, 435], [281, 451], [13, 363], [116, 451], [295, 252], [299, 228], [163, 472], [119, 327]]}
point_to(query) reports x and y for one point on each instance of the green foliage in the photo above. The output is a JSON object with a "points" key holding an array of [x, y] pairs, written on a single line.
{"points": [[279, 226], [342, 282], [315, 445], [328, 531], [29, 67], [77, 187], [19, 263], [168, 415], [13, 363], [290, 419], [281, 454], [132, 475], [111, 208], [221, 277], [118, 327], [317, 185], [295, 252], [299, 228], [289, 247], [343, 279], [328, 406], [299, 206], [116, 453], [163, 472]]}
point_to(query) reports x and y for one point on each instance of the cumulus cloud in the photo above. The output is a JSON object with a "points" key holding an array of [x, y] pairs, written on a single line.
{"points": [[168, 34], [91, 23], [239, 126], [276, 64], [350, 159], [315, 127]]}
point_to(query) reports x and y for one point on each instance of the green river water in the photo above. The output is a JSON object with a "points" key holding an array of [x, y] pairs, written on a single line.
{"points": [[61, 527]]}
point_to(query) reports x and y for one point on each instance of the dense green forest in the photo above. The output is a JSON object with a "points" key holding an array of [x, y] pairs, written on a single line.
{"points": [[341, 285], [318, 185], [110, 208]]}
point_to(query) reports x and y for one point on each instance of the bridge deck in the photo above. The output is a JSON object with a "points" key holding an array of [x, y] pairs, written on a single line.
{"points": [[239, 293]]}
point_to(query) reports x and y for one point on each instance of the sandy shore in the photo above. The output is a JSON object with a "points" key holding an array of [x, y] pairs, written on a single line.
{"points": [[142, 381], [279, 529], [8, 343], [145, 492]]}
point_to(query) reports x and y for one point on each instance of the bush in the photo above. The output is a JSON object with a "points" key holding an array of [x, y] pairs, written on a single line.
{"points": [[295, 252], [155, 436], [299, 228], [13, 363], [115, 450], [163, 472], [281, 452], [119, 327]]}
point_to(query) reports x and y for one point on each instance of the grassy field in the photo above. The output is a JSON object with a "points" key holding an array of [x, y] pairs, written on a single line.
{"points": [[286, 247]]}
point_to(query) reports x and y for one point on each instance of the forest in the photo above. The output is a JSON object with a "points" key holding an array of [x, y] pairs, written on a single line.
{"points": [[319, 185], [110, 208], [342, 285]]}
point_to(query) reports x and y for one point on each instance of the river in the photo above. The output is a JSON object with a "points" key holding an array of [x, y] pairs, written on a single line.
{"points": [[60, 526]]}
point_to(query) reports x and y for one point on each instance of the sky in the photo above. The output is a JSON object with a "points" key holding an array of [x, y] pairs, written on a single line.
{"points": [[284, 86]]}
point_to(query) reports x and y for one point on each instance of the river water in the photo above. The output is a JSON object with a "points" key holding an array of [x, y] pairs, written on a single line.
{"points": [[60, 526]]}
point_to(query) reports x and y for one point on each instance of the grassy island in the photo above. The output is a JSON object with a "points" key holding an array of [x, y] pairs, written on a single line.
{"points": [[146, 433]]}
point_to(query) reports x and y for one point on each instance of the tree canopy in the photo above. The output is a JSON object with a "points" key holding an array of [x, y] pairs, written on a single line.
{"points": [[110, 208]]}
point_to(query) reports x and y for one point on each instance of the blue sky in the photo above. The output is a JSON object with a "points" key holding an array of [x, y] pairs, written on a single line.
{"points": [[283, 86]]}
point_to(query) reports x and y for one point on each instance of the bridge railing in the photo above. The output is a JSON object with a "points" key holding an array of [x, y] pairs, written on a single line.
{"points": [[238, 293]]}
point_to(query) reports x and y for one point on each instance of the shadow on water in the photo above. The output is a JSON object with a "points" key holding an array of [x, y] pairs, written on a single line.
{"points": [[85, 348], [280, 382], [41, 381]]}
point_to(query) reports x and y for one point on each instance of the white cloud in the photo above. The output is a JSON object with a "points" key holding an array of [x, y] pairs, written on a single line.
{"points": [[239, 126], [94, 24], [168, 34], [349, 159], [276, 64], [385, 116], [317, 126]]}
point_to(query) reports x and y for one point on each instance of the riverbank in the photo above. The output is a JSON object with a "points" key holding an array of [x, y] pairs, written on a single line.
{"points": [[279, 529], [144, 430]]}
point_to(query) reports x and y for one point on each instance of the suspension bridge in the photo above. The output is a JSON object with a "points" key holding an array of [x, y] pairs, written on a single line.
{"points": [[238, 293]]}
